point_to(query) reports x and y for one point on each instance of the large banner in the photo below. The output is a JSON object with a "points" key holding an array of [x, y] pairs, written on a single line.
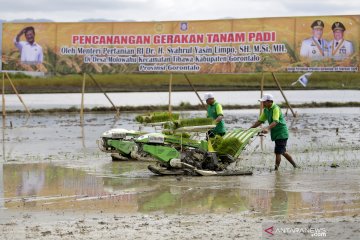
{"points": [[292, 44]]}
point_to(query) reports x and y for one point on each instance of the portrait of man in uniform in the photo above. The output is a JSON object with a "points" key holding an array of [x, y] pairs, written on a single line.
{"points": [[339, 48], [315, 48], [31, 52]]}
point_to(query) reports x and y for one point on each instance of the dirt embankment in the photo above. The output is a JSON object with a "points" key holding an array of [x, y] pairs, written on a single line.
{"points": [[63, 225]]}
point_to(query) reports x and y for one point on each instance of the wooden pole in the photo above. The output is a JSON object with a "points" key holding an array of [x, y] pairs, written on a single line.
{"points": [[3, 115], [282, 93], [16, 92], [3, 95], [262, 107], [261, 91], [82, 99], [83, 137], [3, 136], [202, 103], [98, 85], [170, 89]]}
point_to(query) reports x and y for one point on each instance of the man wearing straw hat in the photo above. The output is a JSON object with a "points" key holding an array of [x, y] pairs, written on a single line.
{"points": [[214, 111], [277, 126]]}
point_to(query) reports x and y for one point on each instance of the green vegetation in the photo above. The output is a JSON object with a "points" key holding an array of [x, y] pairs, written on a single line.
{"points": [[226, 146], [160, 82], [229, 146], [156, 117], [193, 122]]}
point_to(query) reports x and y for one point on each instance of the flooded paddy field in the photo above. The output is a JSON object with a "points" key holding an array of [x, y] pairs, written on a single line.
{"points": [[56, 184]]}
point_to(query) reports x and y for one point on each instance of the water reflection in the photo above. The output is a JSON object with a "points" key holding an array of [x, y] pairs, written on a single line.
{"points": [[129, 189]]}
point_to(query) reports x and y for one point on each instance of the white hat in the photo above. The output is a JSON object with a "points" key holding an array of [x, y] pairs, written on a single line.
{"points": [[266, 97], [208, 95]]}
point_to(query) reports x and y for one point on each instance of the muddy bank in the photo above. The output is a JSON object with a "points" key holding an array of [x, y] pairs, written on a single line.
{"points": [[185, 106], [65, 225]]}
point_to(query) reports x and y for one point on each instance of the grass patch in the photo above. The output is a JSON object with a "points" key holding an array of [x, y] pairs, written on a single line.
{"points": [[159, 82]]}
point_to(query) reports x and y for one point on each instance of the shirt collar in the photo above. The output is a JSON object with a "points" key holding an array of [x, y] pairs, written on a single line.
{"points": [[34, 44], [213, 103], [272, 106]]}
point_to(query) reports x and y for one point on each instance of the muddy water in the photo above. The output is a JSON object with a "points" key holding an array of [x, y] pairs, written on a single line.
{"points": [[52, 163], [67, 100], [127, 189]]}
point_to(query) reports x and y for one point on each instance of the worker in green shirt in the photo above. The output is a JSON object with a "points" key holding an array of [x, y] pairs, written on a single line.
{"points": [[214, 111], [277, 127]]}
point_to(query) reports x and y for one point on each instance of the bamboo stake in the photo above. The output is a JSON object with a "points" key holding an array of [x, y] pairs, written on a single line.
{"points": [[282, 93], [170, 89], [262, 107], [261, 91], [16, 92], [98, 85], [3, 95], [3, 136], [3, 115], [82, 99], [202, 103]]}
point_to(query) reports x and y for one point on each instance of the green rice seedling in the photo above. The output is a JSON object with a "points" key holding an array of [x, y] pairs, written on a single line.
{"points": [[139, 118], [170, 125], [157, 117], [229, 146], [163, 117], [216, 142], [195, 122], [183, 135]]}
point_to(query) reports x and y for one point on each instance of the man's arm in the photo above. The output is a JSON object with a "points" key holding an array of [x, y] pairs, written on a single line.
{"points": [[19, 35], [220, 113], [351, 48], [219, 118], [17, 39], [303, 49], [41, 56], [268, 128], [258, 123]]}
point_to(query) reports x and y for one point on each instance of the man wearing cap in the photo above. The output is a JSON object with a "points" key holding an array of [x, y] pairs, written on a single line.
{"points": [[339, 48], [214, 111], [277, 127], [315, 48]]}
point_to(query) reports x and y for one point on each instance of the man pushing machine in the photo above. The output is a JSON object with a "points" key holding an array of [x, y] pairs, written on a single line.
{"points": [[277, 127]]}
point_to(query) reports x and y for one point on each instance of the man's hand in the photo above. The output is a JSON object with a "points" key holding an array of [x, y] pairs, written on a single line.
{"points": [[265, 130], [258, 123], [20, 34], [218, 119]]}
